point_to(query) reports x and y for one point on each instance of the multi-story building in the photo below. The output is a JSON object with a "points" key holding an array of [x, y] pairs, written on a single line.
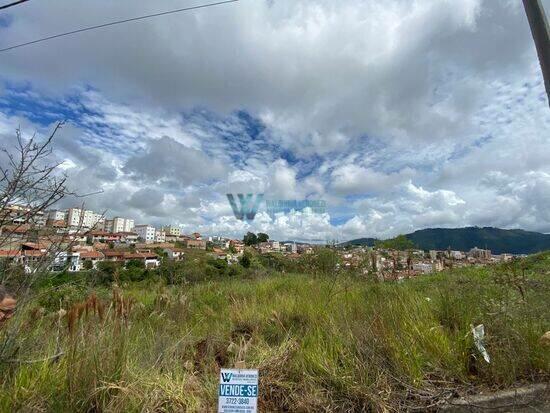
{"points": [[84, 218], [172, 230], [480, 253], [160, 237], [57, 215], [118, 224], [146, 233], [19, 215]]}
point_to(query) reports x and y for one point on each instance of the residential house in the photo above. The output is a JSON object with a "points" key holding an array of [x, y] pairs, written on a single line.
{"points": [[60, 223], [437, 266], [195, 244], [32, 258], [219, 254], [176, 254], [93, 256], [150, 259], [12, 256], [14, 232], [457, 255], [264, 247], [102, 236], [113, 255], [66, 260], [291, 247], [128, 237], [238, 245], [305, 249], [423, 267]]}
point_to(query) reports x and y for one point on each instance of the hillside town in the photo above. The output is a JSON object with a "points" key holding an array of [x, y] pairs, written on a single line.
{"points": [[77, 239]]}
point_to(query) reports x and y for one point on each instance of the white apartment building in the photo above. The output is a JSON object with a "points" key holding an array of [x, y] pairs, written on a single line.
{"points": [[291, 247], [118, 224], [160, 236], [78, 217], [457, 255], [57, 215], [146, 233], [172, 230]]}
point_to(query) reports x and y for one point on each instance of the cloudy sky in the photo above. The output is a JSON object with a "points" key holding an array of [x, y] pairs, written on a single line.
{"points": [[400, 114]]}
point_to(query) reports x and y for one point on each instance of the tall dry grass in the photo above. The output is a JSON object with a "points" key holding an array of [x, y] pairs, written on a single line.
{"points": [[320, 344]]}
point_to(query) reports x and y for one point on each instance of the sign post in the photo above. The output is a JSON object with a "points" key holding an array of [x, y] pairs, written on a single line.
{"points": [[238, 391]]}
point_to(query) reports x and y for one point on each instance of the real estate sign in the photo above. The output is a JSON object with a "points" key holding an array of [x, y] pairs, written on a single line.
{"points": [[238, 391]]}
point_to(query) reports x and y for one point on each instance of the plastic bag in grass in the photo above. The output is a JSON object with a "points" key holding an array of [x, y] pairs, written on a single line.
{"points": [[479, 334]]}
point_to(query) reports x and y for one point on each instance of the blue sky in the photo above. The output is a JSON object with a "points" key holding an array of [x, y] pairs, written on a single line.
{"points": [[401, 115]]}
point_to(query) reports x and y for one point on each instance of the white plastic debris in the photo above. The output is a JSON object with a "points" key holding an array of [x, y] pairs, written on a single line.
{"points": [[479, 334]]}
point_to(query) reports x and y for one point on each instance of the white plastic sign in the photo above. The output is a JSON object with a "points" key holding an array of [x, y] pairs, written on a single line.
{"points": [[238, 391]]}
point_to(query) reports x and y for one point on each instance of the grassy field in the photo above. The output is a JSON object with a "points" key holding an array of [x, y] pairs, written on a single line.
{"points": [[321, 343]]}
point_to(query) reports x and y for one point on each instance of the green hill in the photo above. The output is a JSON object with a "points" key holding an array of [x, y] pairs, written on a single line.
{"points": [[498, 240], [361, 241]]}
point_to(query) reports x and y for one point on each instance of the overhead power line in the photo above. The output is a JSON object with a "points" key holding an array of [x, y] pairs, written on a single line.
{"points": [[15, 3], [113, 23]]}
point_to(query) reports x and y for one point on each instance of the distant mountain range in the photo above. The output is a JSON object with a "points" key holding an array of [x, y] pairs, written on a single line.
{"points": [[515, 241]]}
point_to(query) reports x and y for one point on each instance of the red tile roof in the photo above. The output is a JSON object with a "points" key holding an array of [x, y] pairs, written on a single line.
{"points": [[33, 253], [91, 254], [111, 253], [9, 253], [36, 245], [99, 233], [175, 249], [15, 229], [139, 255]]}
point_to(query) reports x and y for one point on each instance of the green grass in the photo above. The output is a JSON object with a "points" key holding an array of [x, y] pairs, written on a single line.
{"points": [[320, 344]]}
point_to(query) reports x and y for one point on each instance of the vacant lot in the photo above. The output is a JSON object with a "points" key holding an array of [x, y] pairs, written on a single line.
{"points": [[325, 343]]}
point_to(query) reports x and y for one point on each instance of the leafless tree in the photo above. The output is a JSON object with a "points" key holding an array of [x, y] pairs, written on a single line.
{"points": [[28, 181], [30, 184]]}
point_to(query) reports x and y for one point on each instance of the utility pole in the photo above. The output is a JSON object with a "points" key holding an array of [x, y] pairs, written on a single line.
{"points": [[541, 36]]}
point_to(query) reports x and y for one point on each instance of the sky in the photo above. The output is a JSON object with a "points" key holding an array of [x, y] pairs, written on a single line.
{"points": [[400, 114]]}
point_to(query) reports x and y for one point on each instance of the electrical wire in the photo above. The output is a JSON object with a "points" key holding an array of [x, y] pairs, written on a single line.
{"points": [[15, 3], [99, 26]]}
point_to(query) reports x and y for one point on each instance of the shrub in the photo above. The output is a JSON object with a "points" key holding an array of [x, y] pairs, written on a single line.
{"points": [[245, 260], [234, 270], [135, 264], [87, 265]]}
